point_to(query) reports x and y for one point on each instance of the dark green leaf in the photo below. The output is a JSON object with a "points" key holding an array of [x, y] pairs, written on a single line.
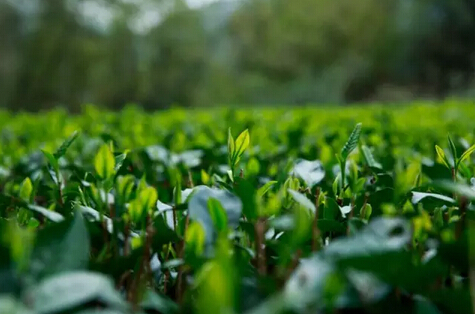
{"points": [[65, 145], [198, 208], [61, 247], [69, 290], [352, 142]]}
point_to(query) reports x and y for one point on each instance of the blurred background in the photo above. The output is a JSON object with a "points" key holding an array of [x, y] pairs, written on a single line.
{"points": [[159, 53]]}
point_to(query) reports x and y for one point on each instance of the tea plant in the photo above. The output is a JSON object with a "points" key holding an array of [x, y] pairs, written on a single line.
{"points": [[300, 211]]}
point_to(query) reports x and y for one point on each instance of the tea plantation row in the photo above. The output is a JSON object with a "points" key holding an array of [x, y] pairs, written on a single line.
{"points": [[365, 209]]}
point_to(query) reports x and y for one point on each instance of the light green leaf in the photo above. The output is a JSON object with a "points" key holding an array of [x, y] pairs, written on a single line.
{"points": [[231, 145], [195, 238], [26, 189], [148, 198], [242, 143], [466, 154], [125, 184], [253, 167], [442, 156], [104, 162], [352, 142], [266, 187], [51, 159], [369, 158], [366, 211], [218, 214], [205, 178]]}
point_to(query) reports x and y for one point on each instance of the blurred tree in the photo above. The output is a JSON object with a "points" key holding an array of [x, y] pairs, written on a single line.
{"points": [[10, 34], [444, 56], [232, 51], [54, 61], [178, 61]]}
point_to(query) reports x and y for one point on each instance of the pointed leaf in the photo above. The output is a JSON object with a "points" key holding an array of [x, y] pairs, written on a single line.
{"points": [[119, 161], [352, 142], [231, 146], [26, 189], [466, 154], [51, 159], [453, 149], [242, 142], [51, 215], [442, 156], [369, 158], [266, 187], [66, 144]]}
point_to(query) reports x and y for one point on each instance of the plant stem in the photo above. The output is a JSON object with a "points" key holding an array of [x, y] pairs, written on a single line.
{"points": [[179, 290], [315, 230], [463, 215], [350, 215], [259, 229]]}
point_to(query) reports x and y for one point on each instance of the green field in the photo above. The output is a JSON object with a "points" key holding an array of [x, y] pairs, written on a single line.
{"points": [[364, 209]]}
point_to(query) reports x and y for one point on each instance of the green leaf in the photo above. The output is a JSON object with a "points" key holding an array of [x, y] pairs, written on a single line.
{"points": [[52, 160], [198, 209], [119, 161], [148, 198], [247, 194], [64, 292], [104, 162], [442, 156], [366, 211], [419, 196], [331, 210], [163, 233], [453, 149], [9, 305], [242, 143], [266, 187], [195, 238], [61, 247], [352, 142], [457, 188], [26, 189], [466, 154], [253, 167], [65, 145], [205, 178], [218, 215], [125, 185], [369, 158], [51, 215], [231, 147], [302, 200], [152, 301]]}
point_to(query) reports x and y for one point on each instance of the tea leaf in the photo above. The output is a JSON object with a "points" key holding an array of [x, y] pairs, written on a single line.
{"points": [[352, 142], [104, 162]]}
